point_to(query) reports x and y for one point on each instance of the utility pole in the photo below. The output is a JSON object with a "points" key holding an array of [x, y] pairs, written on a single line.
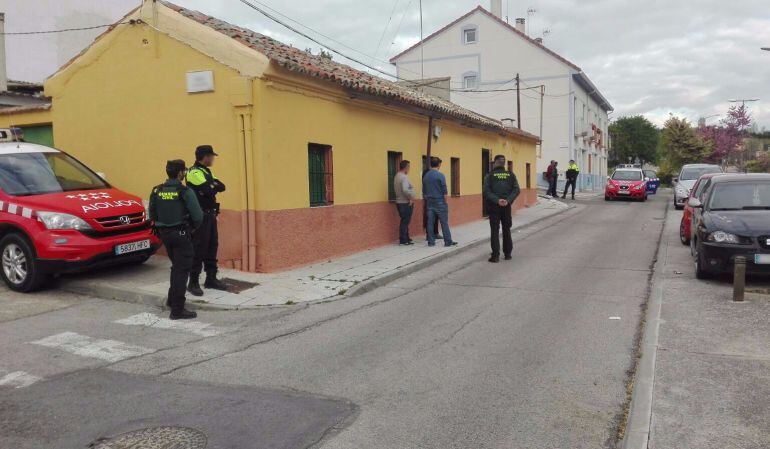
{"points": [[422, 47], [743, 101], [518, 102]]}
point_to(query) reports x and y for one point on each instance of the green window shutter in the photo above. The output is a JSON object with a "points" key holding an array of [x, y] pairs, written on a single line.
{"points": [[41, 134], [320, 175]]}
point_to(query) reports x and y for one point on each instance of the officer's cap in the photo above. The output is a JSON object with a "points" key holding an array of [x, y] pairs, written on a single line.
{"points": [[204, 150], [176, 165]]}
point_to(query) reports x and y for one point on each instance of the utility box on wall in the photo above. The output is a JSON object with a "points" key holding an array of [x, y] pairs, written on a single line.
{"points": [[200, 81]]}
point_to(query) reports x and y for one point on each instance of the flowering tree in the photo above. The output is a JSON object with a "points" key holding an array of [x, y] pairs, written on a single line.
{"points": [[727, 137]]}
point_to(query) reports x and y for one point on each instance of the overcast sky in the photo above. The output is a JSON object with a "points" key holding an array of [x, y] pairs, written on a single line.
{"points": [[648, 57]]}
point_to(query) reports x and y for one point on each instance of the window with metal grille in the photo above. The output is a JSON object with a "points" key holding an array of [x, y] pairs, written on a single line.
{"points": [[394, 159], [321, 174], [455, 165]]}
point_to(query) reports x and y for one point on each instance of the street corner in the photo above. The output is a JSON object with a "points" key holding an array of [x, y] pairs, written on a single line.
{"points": [[109, 410]]}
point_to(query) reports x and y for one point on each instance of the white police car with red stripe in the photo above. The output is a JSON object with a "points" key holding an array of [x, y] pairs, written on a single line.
{"points": [[56, 216]]}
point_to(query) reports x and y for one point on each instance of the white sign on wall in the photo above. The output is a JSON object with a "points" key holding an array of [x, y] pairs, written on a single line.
{"points": [[200, 81]]}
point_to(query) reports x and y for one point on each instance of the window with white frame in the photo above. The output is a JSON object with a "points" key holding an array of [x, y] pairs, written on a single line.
{"points": [[470, 81], [470, 36]]}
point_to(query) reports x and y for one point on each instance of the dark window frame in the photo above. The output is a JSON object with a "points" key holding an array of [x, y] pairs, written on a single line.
{"points": [[320, 175], [394, 159], [455, 176]]}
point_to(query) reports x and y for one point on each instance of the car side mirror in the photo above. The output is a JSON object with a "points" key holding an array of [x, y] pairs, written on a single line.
{"points": [[676, 179], [695, 203], [646, 178]]}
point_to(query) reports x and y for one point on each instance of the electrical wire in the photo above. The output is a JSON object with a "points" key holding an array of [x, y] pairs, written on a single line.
{"points": [[65, 30], [384, 30]]}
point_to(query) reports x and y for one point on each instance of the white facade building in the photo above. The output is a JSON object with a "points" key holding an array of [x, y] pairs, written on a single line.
{"points": [[481, 52]]}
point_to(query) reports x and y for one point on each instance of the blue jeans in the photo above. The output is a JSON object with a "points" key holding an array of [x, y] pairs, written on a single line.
{"points": [[437, 207], [405, 213]]}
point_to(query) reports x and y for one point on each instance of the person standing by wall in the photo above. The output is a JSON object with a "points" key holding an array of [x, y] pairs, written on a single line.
{"points": [[501, 188], [175, 213], [405, 197], [434, 191], [572, 173], [206, 237], [552, 176]]}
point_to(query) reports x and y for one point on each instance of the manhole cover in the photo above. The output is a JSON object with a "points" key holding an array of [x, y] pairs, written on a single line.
{"points": [[155, 438]]}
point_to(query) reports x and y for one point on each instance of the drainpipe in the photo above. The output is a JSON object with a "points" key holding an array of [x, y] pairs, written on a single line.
{"points": [[248, 226], [3, 77], [430, 138]]}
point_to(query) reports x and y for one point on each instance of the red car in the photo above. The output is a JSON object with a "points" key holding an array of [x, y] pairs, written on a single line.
{"points": [[626, 183], [57, 216], [697, 192]]}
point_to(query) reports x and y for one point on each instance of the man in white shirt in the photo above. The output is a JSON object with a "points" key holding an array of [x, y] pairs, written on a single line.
{"points": [[404, 201]]}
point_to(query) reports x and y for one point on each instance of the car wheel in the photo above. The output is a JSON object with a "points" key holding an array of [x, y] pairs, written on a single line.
{"points": [[20, 270], [684, 238], [606, 198], [644, 198], [700, 273]]}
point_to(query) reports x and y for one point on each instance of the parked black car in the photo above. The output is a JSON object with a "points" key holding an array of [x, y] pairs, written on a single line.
{"points": [[732, 220]]}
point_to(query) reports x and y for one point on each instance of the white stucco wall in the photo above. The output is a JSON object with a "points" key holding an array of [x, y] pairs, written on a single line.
{"points": [[496, 57]]}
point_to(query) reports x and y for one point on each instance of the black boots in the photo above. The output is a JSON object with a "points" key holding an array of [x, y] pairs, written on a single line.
{"points": [[194, 287], [214, 283], [183, 314]]}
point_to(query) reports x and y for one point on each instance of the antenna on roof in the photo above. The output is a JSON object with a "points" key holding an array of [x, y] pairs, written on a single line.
{"points": [[530, 12]]}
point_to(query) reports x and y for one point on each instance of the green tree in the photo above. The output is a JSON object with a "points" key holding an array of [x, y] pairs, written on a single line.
{"points": [[681, 144], [633, 138]]}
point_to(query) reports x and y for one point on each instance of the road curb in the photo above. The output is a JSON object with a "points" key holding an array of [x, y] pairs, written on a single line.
{"points": [[118, 293], [406, 270], [639, 423]]}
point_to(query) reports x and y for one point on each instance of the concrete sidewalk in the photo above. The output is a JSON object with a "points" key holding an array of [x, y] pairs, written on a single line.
{"points": [[703, 381], [349, 276]]}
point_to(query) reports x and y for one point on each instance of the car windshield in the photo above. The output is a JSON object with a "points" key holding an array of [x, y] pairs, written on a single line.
{"points": [[650, 174], [740, 196], [627, 175], [39, 173], [690, 173]]}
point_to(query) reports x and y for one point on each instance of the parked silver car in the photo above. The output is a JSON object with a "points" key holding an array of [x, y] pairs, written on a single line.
{"points": [[686, 180]]}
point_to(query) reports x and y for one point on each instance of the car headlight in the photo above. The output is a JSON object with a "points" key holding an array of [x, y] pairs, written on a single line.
{"points": [[59, 221], [639, 187], [724, 237], [682, 191]]}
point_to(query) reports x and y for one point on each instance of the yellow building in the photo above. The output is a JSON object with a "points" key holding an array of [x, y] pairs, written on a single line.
{"points": [[307, 146]]}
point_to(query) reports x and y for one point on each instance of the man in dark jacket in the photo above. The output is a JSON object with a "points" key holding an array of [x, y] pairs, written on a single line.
{"points": [[552, 176], [501, 188], [175, 212], [572, 173], [206, 238]]}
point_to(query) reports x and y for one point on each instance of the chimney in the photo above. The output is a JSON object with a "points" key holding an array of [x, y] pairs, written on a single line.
{"points": [[521, 24], [3, 76], [497, 8]]}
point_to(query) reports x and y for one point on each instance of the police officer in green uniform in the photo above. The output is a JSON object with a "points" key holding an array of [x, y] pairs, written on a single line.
{"points": [[501, 188], [176, 212], [206, 237]]}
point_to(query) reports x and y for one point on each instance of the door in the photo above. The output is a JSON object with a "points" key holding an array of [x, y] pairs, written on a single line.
{"points": [[485, 165]]}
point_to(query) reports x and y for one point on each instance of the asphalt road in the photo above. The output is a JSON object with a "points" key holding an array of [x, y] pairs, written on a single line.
{"points": [[531, 353]]}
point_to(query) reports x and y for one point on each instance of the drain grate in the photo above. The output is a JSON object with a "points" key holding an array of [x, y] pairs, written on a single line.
{"points": [[236, 286], [155, 438]]}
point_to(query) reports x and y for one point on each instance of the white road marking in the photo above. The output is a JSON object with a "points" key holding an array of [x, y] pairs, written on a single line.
{"points": [[82, 345], [615, 318], [150, 320], [18, 379]]}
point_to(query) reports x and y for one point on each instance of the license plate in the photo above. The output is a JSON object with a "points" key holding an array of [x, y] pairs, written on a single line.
{"points": [[623, 192], [762, 259], [132, 247]]}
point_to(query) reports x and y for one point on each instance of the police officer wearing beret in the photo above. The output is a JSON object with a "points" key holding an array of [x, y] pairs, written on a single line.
{"points": [[206, 237], [175, 212], [501, 188]]}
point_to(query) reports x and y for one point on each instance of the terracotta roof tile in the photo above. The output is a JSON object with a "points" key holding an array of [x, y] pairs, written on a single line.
{"points": [[25, 108], [302, 62]]}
